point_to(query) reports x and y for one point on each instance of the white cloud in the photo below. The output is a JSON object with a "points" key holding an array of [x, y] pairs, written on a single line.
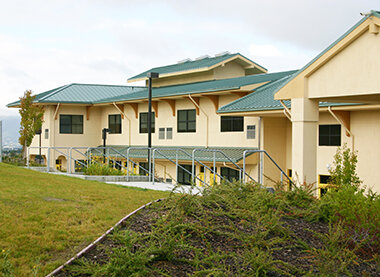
{"points": [[46, 44]]}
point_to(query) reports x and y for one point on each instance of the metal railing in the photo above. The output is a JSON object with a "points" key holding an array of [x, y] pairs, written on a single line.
{"points": [[261, 172], [153, 153]]}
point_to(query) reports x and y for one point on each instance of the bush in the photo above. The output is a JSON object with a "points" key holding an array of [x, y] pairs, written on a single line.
{"points": [[344, 171], [101, 169], [358, 212]]}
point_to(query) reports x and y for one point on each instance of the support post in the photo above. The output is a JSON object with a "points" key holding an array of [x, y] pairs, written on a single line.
{"points": [[305, 115]]}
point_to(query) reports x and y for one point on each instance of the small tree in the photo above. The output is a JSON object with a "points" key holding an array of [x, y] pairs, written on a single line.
{"points": [[31, 120], [344, 171]]}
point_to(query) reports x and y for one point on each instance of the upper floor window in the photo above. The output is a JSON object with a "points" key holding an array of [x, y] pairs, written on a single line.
{"points": [[232, 123], [70, 124], [251, 131], [114, 123], [144, 122], [186, 121], [329, 135]]}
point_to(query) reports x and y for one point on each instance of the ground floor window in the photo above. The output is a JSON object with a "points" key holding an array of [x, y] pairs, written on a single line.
{"points": [[229, 173], [183, 176], [143, 166], [324, 181]]}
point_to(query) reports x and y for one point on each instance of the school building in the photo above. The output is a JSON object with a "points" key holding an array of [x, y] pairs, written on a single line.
{"points": [[227, 107]]}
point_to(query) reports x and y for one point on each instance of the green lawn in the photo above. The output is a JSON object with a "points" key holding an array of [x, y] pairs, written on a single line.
{"points": [[45, 219]]}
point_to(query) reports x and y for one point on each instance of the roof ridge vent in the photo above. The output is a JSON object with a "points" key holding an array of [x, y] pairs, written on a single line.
{"points": [[202, 57], [184, 61], [222, 54]]}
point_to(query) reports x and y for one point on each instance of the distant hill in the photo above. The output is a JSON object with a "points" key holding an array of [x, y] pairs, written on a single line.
{"points": [[11, 126]]}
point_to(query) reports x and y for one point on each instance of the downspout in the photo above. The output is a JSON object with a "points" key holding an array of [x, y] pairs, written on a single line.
{"points": [[261, 165], [345, 128], [129, 123], [198, 106]]}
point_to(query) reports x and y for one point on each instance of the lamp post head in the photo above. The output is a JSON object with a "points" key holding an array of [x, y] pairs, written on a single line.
{"points": [[152, 75]]}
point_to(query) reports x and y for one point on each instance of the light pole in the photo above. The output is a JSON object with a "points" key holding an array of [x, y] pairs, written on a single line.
{"points": [[150, 75], [39, 131], [104, 137]]}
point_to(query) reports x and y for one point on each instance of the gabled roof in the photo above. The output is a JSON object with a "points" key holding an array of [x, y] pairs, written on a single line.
{"points": [[190, 66], [263, 99], [81, 94], [372, 13], [199, 87]]}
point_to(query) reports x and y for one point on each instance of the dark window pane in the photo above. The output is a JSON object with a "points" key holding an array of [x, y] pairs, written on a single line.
{"points": [[186, 121], [329, 135], [232, 123], [229, 173], [144, 122], [71, 124], [191, 126], [114, 123], [184, 177]]}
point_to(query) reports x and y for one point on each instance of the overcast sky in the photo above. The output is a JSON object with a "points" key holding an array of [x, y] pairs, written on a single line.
{"points": [[47, 44]]}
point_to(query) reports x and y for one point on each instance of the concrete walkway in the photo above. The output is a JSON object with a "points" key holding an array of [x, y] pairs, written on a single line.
{"points": [[159, 186], [142, 185]]}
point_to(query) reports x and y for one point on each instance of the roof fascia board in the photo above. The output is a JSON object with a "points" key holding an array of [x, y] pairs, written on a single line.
{"points": [[296, 86], [279, 111]]}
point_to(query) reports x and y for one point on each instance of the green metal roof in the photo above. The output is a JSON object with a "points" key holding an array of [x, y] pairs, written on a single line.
{"points": [[263, 99], [81, 94], [190, 65], [372, 13], [96, 94], [234, 154], [206, 86]]}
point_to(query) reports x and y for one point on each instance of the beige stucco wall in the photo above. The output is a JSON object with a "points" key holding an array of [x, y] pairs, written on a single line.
{"points": [[229, 70], [274, 142], [354, 71], [365, 125]]}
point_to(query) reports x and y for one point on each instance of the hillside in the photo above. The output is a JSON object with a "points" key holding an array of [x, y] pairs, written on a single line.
{"points": [[45, 219]]}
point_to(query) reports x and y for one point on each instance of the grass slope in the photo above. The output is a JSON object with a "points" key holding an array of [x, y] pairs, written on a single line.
{"points": [[45, 219]]}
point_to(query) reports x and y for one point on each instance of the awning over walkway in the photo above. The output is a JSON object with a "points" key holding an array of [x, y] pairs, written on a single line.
{"points": [[183, 153]]}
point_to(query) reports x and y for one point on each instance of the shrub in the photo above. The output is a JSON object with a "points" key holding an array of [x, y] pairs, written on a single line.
{"points": [[101, 169], [344, 171], [359, 213]]}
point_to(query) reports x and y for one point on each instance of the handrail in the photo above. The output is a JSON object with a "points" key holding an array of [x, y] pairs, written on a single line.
{"points": [[228, 158], [176, 163], [266, 153]]}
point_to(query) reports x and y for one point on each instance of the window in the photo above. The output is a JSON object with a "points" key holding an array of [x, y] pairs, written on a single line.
{"points": [[142, 167], [324, 181], [71, 124], [46, 133], [186, 121], [184, 177], [169, 133], [232, 123], [251, 131], [229, 173], [114, 123], [144, 122], [329, 135], [161, 133]]}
